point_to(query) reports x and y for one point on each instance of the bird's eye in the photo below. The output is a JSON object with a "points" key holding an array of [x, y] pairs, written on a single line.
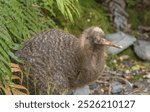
{"points": [[88, 38]]}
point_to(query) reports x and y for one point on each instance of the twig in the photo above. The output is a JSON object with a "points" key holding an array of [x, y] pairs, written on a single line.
{"points": [[125, 80], [109, 91], [138, 91], [102, 82]]}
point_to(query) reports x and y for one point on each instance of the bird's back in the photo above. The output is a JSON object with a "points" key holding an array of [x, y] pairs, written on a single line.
{"points": [[52, 57]]}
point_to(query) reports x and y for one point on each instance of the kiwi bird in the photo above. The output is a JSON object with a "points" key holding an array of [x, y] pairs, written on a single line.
{"points": [[58, 59]]}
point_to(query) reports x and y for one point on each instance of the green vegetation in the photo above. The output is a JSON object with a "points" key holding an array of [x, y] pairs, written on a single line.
{"points": [[137, 17], [138, 14], [91, 14], [133, 18], [19, 20]]}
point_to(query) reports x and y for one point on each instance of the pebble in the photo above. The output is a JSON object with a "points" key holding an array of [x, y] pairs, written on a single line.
{"points": [[94, 86], [116, 87], [124, 57], [114, 61], [127, 72], [148, 76]]}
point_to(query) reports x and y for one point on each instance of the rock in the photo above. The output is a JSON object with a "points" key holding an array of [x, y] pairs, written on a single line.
{"points": [[142, 49], [118, 14], [93, 86], [121, 39], [141, 85], [123, 57], [70, 92], [127, 71], [116, 87], [82, 91], [120, 20], [147, 76]]}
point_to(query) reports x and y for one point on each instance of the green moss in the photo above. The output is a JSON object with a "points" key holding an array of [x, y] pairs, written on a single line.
{"points": [[133, 18], [92, 14], [146, 17], [116, 65], [129, 52], [132, 3], [137, 16], [138, 78], [110, 62]]}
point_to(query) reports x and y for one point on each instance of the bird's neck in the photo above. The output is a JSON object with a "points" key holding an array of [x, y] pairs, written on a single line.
{"points": [[97, 57], [93, 57]]}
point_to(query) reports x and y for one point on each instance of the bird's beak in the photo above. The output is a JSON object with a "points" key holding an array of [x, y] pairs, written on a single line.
{"points": [[109, 43]]}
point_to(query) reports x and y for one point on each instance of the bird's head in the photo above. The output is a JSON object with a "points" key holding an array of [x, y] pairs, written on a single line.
{"points": [[94, 38]]}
